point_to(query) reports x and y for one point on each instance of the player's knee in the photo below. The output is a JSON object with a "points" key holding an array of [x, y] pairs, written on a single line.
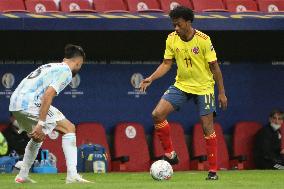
{"points": [[38, 140], [71, 128], [208, 129]]}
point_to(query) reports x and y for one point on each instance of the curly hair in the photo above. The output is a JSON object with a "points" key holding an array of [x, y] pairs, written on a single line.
{"points": [[182, 12]]}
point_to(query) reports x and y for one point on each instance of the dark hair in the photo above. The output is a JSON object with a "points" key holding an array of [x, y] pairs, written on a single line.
{"points": [[72, 51], [276, 111], [182, 12]]}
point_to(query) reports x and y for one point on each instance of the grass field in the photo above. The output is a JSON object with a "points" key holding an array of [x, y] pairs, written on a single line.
{"points": [[180, 180]]}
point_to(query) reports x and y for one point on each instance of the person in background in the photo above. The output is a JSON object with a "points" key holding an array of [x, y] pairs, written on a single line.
{"points": [[17, 141], [268, 153]]}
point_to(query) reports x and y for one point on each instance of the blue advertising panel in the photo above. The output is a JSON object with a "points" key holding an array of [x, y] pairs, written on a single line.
{"points": [[109, 94]]}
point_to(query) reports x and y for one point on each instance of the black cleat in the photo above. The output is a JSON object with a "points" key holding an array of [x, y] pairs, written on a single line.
{"points": [[212, 176], [174, 160]]}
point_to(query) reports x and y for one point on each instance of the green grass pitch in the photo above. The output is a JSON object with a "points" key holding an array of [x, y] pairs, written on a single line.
{"points": [[180, 180]]}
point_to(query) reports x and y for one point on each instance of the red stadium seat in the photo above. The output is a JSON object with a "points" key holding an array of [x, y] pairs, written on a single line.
{"points": [[209, 5], [76, 6], [110, 6], [168, 5], [93, 133], [241, 5], [243, 140], [41, 6], [3, 127], [15, 6], [199, 146], [143, 6], [177, 135], [130, 140], [55, 147], [271, 6]]}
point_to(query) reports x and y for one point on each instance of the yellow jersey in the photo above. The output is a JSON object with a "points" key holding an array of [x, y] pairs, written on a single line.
{"points": [[192, 59]]}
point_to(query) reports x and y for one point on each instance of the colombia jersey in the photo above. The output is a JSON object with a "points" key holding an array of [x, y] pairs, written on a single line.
{"points": [[192, 59]]}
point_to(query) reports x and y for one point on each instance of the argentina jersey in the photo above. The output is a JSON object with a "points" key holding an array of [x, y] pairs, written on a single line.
{"points": [[31, 89]]}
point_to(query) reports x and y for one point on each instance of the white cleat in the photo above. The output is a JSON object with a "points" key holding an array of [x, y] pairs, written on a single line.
{"points": [[21, 180], [76, 179]]}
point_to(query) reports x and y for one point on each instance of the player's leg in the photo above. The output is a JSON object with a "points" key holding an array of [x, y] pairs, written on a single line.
{"points": [[211, 145], [70, 150], [206, 105], [162, 127], [26, 123], [171, 100]]}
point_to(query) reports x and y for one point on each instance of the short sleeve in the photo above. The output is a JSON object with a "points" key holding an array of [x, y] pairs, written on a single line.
{"points": [[210, 54], [61, 79], [169, 53]]}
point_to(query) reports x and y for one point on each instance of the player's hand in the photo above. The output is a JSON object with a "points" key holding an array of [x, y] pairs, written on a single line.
{"points": [[223, 102], [145, 83], [37, 134], [282, 152]]}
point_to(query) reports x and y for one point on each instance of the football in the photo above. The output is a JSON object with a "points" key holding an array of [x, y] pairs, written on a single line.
{"points": [[161, 170]]}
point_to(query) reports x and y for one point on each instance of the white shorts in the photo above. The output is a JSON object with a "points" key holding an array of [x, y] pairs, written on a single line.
{"points": [[28, 119]]}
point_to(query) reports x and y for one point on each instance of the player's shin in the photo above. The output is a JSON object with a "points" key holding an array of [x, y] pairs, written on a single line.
{"points": [[162, 130], [31, 152], [211, 147], [70, 152]]}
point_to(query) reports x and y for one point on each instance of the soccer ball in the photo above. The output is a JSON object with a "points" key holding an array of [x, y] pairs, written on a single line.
{"points": [[161, 170]]}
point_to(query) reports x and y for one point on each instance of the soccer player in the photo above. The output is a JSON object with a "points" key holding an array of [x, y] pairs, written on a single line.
{"points": [[197, 72], [31, 105]]}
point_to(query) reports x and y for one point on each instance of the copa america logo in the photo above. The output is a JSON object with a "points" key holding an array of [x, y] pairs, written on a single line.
{"points": [[75, 81], [136, 79], [8, 80]]}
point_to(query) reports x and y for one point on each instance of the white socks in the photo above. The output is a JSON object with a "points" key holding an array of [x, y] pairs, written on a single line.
{"points": [[70, 152], [69, 149], [29, 157]]}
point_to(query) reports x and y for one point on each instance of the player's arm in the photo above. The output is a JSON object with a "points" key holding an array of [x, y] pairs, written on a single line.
{"points": [[160, 72], [164, 67], [211, 58], [217, 74], [46, 101], [37, 133]]}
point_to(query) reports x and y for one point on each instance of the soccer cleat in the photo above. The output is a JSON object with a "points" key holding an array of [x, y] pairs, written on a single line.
{"points": [[212, 176], [76, 179], [21, 180], [173, 159]]}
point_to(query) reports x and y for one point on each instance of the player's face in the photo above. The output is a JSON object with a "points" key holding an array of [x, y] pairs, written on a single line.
{"points": [[78, 61], [182, 27], [277, 119]]}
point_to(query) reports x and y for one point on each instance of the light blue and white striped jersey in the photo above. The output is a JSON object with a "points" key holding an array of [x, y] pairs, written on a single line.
{"points": [[32, 88]]}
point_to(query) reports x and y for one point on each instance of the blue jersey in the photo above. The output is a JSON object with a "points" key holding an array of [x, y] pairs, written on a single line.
{"points": [[31, 89]]}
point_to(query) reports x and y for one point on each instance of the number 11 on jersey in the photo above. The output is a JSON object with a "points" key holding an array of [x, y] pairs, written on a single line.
{"points": [[188, 61]]}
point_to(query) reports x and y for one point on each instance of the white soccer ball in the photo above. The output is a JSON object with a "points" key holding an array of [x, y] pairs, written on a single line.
{"points": [[161, 170]]}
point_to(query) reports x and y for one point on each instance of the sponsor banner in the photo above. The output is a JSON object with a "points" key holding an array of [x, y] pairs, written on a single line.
{"points": [[110, 94]]}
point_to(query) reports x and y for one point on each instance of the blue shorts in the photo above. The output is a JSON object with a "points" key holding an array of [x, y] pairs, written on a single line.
{"points": [[177, 97]]}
